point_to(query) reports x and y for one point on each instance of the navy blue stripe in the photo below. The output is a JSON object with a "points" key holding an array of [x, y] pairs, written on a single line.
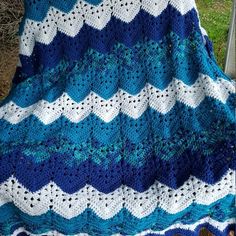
{"points": [[71, 172], [78, 79], [143, 25]]}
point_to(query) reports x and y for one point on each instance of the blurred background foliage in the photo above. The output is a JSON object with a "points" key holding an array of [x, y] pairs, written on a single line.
{"points": [[215, 18]]}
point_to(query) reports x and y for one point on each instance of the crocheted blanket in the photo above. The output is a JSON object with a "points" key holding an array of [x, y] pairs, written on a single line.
{"points": [[119, 122]]}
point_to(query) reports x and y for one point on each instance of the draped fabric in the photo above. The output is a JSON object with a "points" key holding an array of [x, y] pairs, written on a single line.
{"points": [[119, 122]]}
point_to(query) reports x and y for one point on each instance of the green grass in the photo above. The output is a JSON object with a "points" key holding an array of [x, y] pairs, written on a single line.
{"points": [[215, 18]]}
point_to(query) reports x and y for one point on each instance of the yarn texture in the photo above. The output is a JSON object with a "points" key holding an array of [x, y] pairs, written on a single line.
{"points": [[119, 122]]}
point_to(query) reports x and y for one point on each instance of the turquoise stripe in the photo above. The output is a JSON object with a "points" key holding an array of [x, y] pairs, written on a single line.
{"points": [[209, 112], [89, 222], [136, 154], [121, 68]]}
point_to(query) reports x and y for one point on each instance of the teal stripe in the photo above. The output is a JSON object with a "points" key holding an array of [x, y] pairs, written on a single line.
{"points": [[98, 153], [121, 68], [220, 210], [209, 112]]}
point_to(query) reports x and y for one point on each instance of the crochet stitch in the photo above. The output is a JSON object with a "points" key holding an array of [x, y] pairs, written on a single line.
{"points": [[119, 122]]}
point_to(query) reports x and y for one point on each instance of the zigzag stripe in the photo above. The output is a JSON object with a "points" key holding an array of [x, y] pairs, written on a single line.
{"points": [[97, 16], [89, 222], [41, 9], [116, 54], [132, 105], [138, 204], [139, 172], [79, 78], [73, 48], [210, 111], [217, 228], [166, 148], [38, 10]]}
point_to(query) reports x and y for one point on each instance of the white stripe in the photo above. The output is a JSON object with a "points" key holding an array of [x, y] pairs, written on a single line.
{"points": [[132, 105], [221, 226], [95, 16], [108, 205]]}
